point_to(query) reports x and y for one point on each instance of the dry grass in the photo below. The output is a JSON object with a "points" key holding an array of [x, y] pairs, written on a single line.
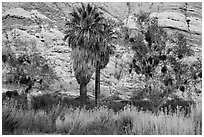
{"points": [[100, 121]]}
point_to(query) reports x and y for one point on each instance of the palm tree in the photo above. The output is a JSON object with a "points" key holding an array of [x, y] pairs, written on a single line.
{"points": [[104, 50], [88, 36]]}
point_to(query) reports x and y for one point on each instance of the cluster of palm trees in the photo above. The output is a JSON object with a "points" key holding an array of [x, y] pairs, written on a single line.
{"points": [[90, 35]]}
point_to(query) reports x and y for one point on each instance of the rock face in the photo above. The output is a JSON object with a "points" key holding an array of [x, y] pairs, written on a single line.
{"points": [[43, 24]]}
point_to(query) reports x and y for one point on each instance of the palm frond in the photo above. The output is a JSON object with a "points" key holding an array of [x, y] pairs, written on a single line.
{"points": [[89, 30], [88, 9], [75, 15]]}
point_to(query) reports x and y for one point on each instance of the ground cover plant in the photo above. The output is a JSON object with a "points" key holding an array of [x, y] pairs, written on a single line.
{"points": [[99, 121]]}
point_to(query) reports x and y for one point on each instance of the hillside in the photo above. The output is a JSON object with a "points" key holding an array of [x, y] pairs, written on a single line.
{"points": [[43, 24]]}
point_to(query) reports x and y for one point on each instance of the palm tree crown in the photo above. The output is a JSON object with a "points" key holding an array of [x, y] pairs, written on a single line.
{"points": [[84, 27]]}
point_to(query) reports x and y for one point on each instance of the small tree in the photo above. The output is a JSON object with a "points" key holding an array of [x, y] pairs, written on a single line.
{"points": [[160, 59]]}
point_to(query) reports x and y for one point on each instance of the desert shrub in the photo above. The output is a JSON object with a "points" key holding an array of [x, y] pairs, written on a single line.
{"points": [[72, 122], [102, 122], [44, 102], [114, 105], [48, 102], [19, 102], [24, 65]]}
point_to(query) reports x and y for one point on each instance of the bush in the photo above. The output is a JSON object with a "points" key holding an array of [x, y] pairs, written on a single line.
{"points": [[25, 66], [44, 102], [20, 101], [72, 122], [102, 122]]}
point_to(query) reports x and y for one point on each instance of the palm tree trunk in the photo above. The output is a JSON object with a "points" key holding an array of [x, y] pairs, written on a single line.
{"points": [[97, 84], [83, 93]]}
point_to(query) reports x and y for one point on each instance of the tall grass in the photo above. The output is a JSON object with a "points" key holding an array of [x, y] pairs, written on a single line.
{"points": [[10, 121], [196, 117], [99, 121]]}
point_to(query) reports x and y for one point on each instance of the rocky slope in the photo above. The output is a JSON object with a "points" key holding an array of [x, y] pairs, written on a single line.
{"points": [[43, 24]]}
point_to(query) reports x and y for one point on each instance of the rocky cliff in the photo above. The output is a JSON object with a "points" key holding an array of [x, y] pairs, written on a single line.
{"points": [[43, 24]]}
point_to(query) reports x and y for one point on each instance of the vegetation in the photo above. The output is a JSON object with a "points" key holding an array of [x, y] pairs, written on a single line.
{"points": [[24, 66], [88, 35], [98, 121], [160, 59]]}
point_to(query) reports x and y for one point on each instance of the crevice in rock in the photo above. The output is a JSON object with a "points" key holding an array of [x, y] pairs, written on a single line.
{"points": [[174, 28]]}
